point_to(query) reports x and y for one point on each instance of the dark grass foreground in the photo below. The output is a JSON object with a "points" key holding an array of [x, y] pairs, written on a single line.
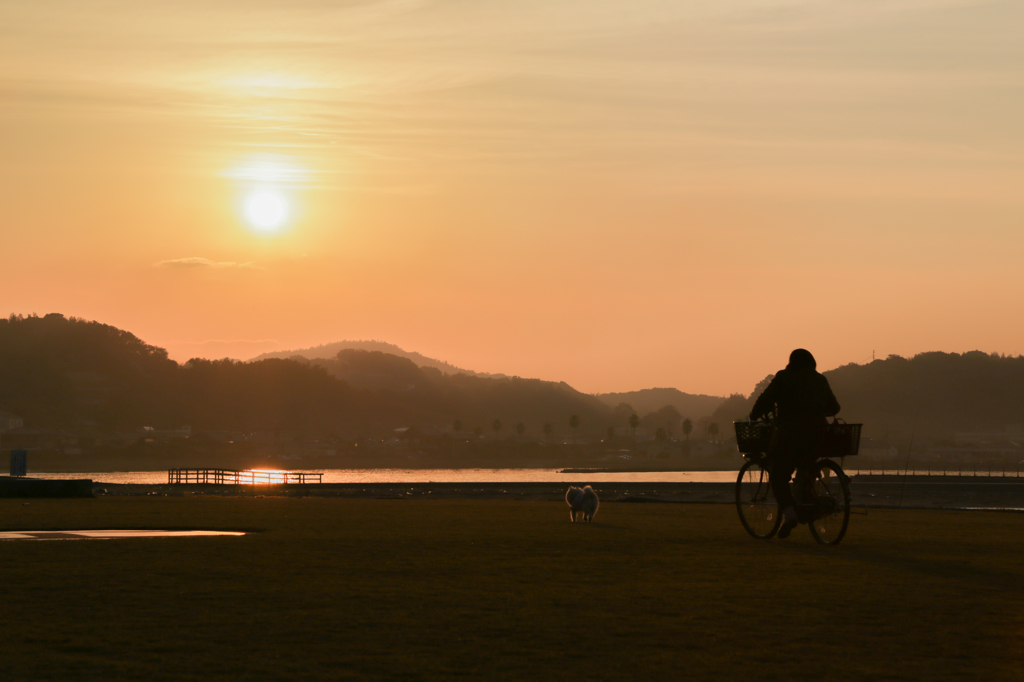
{"points": [[442, 589]]}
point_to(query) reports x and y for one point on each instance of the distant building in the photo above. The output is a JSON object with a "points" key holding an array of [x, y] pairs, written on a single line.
{"points": [[411, 434], [10, 421], [983, 446], [164, 435], [703, 449], [877, 450], [212, 438], [1001, 451], [27, 438], [1012, 434]]}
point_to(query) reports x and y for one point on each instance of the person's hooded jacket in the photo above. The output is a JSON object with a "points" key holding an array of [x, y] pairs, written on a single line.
{"points": [[800, 396]]}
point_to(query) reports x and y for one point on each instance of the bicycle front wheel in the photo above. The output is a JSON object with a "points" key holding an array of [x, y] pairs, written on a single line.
{"points": [[755, 502], [831, 503]]}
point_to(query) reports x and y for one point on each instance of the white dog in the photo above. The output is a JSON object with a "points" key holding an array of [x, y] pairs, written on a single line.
{"points": [[582, 500]]}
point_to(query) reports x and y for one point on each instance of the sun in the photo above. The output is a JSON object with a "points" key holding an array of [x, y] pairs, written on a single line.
{"points": [[266, 209], [268, 191]]}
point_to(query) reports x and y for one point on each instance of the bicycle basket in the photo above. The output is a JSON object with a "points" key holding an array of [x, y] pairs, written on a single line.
{"points": [[753, 436], [842, 440]]}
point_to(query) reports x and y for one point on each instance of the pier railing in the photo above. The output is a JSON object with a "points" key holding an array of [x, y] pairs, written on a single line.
{"points": [[237, 477]]}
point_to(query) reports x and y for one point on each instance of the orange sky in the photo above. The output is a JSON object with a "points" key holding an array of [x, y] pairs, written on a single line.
{"points": [[615, 194]]}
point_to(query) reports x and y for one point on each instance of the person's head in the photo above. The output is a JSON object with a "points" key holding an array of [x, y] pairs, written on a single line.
{"points": [[801, 359]]}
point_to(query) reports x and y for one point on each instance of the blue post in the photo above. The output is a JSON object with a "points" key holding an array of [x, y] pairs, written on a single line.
{"points": [[19, 462]]}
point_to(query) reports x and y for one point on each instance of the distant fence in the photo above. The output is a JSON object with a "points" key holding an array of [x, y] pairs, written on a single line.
{"points": [[964, 473], [236, 477]]}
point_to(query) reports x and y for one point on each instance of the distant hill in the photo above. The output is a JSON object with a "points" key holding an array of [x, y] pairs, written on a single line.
{"points": [[653, 399], [426, 396], [59, 372], [931, 395], [330, 350]]}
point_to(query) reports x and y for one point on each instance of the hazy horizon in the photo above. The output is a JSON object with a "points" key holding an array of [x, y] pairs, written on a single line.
{"points": [[615, 195]]}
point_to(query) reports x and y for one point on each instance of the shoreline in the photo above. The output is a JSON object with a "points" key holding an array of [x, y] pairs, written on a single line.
{"points": [[865, 493]]}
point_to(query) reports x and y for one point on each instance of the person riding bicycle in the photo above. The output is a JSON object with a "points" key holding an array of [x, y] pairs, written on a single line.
{"points": [[802, 401]]}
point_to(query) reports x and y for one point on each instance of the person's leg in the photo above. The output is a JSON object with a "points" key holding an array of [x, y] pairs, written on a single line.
{"points": [[779, 474], [806, 450], [780, 470], [803, 482]]}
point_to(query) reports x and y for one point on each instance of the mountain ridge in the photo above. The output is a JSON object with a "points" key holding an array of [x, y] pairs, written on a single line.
{"points": [[327, 351], [648, 400], [57, 372]]}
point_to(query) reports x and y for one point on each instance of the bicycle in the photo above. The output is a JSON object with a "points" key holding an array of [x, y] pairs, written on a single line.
{"points": [[822, 488]]}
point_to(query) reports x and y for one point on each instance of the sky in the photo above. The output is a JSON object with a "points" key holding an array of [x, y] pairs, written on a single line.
{"points": [[619, 195]]}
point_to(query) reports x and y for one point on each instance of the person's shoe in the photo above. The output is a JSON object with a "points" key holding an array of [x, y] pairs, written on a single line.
{"points": [[790, 519], [787, 528]]}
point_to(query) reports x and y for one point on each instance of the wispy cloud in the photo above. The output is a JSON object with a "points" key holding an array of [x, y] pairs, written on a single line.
{"points": [[196, 262], [273, 169]]}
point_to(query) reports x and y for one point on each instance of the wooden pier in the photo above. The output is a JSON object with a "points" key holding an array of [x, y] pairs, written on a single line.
{"points": [[236, 477]]}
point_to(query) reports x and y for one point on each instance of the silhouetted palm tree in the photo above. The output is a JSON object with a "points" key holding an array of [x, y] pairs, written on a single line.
{"points": [[548, 428], [634, 421], [574, 421], [712, 431], [687, 430]]}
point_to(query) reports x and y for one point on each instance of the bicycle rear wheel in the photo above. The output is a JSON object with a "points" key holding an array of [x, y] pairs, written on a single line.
{"points": [[755, 502], [831, 503]]}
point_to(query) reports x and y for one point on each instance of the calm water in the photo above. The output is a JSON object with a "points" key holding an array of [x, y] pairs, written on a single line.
{"points": [[110, 534], [472, 476], [437, 476]]}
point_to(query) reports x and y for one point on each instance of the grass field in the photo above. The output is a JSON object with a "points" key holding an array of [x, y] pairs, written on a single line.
{"points": [[443, 589]]}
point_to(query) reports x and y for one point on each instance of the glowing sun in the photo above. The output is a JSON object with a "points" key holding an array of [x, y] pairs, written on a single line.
{"points": [[266, 209]]}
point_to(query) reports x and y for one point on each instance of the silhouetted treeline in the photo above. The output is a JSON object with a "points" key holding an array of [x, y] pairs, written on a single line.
{"points": [[330, 350], [650, 400], [425, 395], [60, 372], [936, 394], [933, 395], [54, 371]]}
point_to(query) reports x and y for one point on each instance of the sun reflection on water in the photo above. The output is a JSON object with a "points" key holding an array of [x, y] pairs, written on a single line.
{"points": [[267, 476]]}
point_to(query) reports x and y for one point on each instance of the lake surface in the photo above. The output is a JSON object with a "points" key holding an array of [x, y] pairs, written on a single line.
{"points": [[110, 534], [436, 476], [471, 476]]}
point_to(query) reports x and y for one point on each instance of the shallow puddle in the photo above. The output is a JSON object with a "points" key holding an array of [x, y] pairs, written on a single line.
{"points": [[107, 534]]}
